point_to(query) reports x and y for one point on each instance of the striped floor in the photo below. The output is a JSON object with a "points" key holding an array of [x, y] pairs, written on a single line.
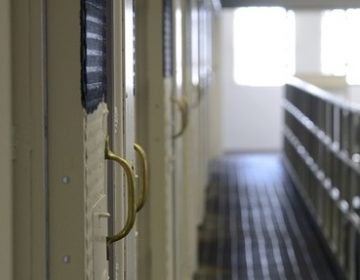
{"points": [[256, 226]]}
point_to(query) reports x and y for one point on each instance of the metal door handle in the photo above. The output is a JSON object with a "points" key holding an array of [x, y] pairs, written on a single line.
{"points": [[183, 106], [131, 211], [144, 166]]}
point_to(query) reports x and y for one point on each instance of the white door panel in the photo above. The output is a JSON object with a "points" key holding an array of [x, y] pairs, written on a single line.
{"points": [[96, 209], [99, 227]]}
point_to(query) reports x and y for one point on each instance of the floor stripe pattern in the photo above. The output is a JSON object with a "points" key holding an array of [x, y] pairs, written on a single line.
{"points": [[257, 227]]}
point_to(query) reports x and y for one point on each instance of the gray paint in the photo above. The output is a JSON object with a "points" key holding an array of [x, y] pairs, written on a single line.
{"points": [[6, 231]]}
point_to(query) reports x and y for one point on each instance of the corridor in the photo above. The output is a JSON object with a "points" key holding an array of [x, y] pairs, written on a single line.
{"points": [[180, 140], [257, 227]]}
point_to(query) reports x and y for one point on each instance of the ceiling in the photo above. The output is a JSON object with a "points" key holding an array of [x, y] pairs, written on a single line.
{"points": [[294, 4]]}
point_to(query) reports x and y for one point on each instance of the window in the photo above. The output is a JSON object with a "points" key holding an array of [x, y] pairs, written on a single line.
{"points": [[340, 44], [264, 46]]}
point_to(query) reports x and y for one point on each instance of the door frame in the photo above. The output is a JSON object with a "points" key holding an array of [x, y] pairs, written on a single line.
{"points": [[29, 119], [6, 193], [155, 135], [66, 151], [122, 128]]}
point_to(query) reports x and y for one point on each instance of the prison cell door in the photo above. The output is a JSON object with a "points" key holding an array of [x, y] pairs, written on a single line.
{"points": [[76, 85], [91, 183], [154, 123], [122, 127]]}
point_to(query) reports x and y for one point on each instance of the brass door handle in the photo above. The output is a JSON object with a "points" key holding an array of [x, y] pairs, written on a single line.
{"points": [[183, 106], [144, 167], [131, 211]]}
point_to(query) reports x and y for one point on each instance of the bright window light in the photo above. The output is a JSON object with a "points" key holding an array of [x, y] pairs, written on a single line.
{"points": [[353, 47], [340, 44], [333, 43], [264, 46]]}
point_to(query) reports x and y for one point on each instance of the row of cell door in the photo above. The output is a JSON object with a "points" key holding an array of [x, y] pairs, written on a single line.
{"points": [[99, 159]]}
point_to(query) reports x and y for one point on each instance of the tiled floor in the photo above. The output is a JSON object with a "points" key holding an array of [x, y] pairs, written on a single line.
{"points": [[256, 226]]}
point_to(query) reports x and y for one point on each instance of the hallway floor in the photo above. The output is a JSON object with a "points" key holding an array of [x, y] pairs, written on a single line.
{"points": [[256, 225]]}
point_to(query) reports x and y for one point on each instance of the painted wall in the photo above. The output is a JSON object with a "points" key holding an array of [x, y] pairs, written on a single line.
{"points": [[5, 144], [251, 116], [308, 42]]}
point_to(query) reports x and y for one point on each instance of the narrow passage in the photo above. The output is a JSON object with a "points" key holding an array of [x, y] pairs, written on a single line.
{"points": [[257, 227]]}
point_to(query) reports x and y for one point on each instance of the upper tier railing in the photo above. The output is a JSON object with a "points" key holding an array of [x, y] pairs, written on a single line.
{"points": [[322, 154]]}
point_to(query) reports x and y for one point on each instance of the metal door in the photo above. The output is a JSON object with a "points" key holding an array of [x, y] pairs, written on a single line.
{"points": [[77, 128], [91, 181], [153, 98]]}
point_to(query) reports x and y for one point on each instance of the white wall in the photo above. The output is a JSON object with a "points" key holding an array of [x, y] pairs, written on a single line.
{"points": [[308, 42], [251, 116]]}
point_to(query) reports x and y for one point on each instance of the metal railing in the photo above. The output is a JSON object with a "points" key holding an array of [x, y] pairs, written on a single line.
{"points": [[322, 154]]}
